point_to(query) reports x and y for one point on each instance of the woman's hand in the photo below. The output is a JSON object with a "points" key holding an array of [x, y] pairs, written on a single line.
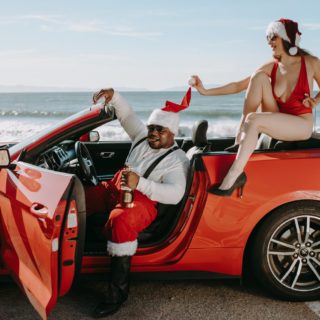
{"points": [[107, 94], [309, 102], [198, 84]]}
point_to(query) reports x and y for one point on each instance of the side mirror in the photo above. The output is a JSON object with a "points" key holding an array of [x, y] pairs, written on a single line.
{"points": [[4, 158], [94, 136]]}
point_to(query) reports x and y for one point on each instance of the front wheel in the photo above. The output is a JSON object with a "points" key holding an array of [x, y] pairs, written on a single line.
{"points": [[286, 252]]}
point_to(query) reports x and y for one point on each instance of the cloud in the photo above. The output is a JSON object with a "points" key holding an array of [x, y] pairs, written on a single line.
{"points": [[311, 26], [55, 23], [157, 13], [90, 26], [28, 58], [33, 17], [98, 27]]}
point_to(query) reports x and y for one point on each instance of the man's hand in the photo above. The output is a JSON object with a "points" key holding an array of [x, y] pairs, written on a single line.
{"points": [[107, 94], [130, 179]]}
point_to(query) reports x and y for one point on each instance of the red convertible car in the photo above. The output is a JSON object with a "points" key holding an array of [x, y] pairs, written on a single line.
{"points": [[271, 232]]}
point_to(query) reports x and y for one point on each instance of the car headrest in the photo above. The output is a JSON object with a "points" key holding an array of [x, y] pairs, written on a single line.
{"points": [[199, 133]]}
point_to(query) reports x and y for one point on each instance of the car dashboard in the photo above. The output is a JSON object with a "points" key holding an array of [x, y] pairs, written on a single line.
{"points": [[61, 158]]}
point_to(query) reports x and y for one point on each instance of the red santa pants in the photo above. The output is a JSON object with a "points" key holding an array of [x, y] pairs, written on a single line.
{"points": [[124, 224]]}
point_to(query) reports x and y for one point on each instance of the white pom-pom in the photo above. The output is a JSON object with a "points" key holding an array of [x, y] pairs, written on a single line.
{"points": [[293, 51], [192, 81]]}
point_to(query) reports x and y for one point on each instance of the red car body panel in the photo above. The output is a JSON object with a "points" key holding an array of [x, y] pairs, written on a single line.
{"points": [[217, 228]]}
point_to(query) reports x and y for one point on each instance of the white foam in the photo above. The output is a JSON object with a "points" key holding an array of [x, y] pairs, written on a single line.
{"points": [[16, 130]]}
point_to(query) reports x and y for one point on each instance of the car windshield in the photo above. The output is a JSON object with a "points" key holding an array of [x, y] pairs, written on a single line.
{"points": [[21, 145]]}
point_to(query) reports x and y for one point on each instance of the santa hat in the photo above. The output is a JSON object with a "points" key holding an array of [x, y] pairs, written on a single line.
{"points": [[287, 30], [168, 116]]}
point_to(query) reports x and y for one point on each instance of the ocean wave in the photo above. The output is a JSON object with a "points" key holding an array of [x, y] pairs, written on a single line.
{"points": [[35, 113], [13, 131], [16, 130], [196, 114]]}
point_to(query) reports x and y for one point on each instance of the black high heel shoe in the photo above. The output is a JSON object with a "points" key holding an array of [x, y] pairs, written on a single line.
{"points": [[233, 148], [239, 183]]}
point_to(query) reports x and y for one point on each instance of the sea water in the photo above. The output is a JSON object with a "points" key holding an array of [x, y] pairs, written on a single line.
{"points": [[23, 114]]}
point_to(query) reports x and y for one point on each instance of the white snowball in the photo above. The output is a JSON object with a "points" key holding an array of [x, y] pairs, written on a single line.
{"points": [[192, 81]]}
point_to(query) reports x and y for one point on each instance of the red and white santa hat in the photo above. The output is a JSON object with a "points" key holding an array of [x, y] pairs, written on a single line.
{"points": [[287, 30], [168, 116]]}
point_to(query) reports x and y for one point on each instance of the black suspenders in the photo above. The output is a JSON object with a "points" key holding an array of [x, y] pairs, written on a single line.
{"points": [[155, 162], [134, 146]]}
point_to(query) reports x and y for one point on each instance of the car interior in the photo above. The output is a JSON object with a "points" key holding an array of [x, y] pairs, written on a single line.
{"points": [[71, 156]]}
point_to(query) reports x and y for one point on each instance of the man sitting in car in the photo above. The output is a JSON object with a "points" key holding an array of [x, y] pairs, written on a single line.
{"points": [[160, 182]]}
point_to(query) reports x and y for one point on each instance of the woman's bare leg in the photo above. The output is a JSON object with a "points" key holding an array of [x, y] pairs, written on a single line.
{"points": [[259, 92], [278, 125]]}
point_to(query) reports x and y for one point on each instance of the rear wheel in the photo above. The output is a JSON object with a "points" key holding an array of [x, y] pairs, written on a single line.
{"points": [[286, 252]]}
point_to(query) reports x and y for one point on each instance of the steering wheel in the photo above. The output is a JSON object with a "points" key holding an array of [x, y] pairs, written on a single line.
{"points": [[86, 166]]}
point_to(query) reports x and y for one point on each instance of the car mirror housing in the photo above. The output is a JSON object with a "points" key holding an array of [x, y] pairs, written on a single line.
{"points": [[94, 136], [4, 158]]}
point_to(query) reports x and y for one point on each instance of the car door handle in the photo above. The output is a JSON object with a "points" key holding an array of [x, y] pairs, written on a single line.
{"points": [[38, 209], [107, 155]]}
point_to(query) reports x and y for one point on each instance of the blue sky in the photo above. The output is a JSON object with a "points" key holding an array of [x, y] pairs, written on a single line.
{"points": [[141, 44]]}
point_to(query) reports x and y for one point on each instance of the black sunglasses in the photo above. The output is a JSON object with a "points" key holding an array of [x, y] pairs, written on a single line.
{"points": [[153, 127], [272, 37]]}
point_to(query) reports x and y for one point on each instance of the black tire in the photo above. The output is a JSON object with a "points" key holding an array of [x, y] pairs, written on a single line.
{"points": [[284, 262]]}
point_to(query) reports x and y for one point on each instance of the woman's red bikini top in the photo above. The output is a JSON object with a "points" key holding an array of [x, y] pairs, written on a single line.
{"points": [[294, 104]]}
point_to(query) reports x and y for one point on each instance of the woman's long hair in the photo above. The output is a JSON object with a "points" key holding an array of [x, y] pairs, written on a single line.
{"points": [[301, 52]]}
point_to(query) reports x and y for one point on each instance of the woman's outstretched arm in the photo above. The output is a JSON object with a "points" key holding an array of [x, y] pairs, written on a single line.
{"points": [[230, 88]]}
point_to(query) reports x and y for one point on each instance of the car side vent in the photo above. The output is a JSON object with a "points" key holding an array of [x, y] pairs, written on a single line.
{"points": [[61, 154]]}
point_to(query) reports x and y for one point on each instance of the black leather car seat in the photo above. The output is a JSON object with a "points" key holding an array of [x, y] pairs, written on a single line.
{"points": [[199, 139]]}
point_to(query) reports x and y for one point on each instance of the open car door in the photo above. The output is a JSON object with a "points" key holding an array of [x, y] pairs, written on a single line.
{"points": [[41, 234]]}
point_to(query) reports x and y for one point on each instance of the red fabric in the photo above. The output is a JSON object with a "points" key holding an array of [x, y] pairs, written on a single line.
{"points": [[294, 104], [124, 224], [174, 107], [101, 198]]}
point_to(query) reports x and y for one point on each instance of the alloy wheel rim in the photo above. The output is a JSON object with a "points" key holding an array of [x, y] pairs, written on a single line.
{"points": [[293, 253]]}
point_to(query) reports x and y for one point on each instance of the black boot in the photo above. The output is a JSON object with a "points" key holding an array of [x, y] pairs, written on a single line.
{"points": [[118, 288]]}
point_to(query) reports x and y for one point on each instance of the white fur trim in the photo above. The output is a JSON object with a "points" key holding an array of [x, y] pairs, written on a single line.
{"points": [[166, 119], [122, 249], [293, 51], [279, 29]]}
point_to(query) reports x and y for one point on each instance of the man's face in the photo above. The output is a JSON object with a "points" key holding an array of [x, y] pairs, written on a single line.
{"points": [[160, 137]]}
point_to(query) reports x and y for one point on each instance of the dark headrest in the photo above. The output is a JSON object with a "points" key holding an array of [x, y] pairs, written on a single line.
{"points": [[199, 133]]}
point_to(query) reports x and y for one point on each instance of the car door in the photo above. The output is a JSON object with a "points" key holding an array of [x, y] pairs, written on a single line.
{"points": [[108, 156], [39, 230]]}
